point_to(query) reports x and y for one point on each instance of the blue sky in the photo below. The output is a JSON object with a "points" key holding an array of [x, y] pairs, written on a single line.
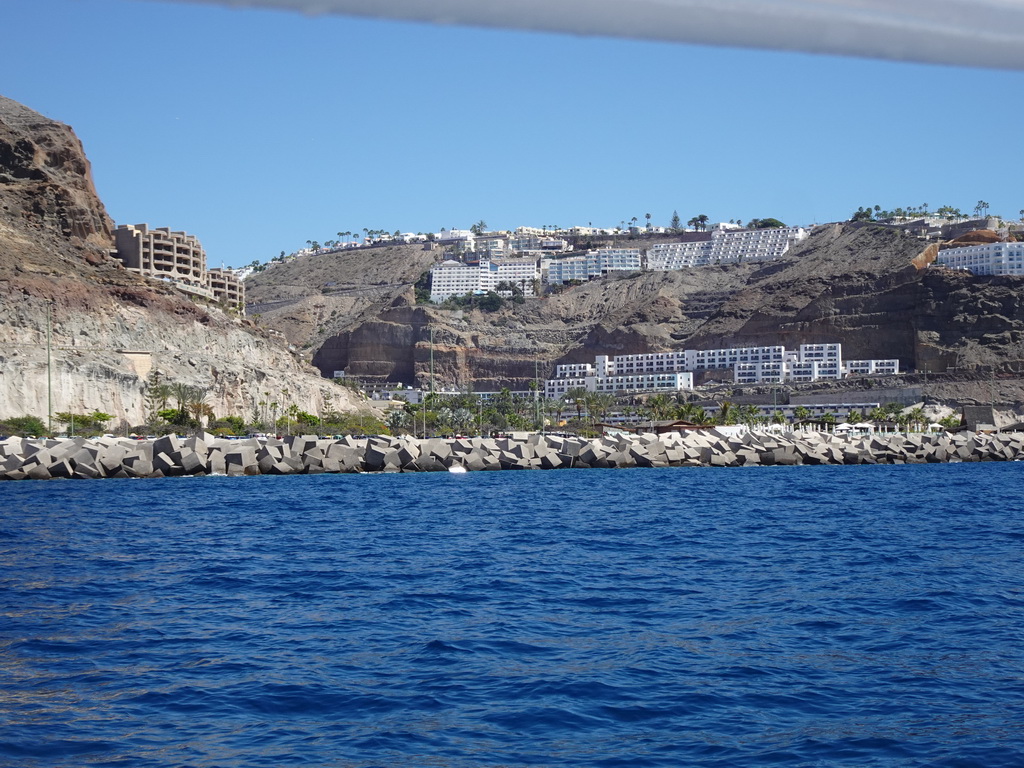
{"points": [[258, 130]]}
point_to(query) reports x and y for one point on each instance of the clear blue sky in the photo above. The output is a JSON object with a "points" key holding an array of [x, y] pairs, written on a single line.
{"points": [[258, 130]]}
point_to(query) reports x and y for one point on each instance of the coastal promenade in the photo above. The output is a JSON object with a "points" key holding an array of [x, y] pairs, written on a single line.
{"points": [[170, 455]]}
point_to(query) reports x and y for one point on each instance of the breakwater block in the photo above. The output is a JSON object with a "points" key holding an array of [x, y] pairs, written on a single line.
{"points": [[80, 458]]}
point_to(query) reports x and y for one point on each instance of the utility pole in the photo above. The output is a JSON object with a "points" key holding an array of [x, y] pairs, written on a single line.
{"points": [[536, 394], [49, 375]]}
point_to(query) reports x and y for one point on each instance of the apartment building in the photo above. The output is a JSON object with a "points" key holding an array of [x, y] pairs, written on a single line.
{"points": [[160, 253], [749, 365], [590, 265], [643, 382], [178, 258], [228, 287], [987, 259], [725, 247], [454, 278]]}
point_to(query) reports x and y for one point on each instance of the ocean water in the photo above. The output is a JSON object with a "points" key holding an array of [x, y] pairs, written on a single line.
{"points": [[778, 616]]}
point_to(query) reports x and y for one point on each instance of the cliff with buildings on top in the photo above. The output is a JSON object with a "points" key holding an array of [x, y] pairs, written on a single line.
{"points": [[865, 286], [110, 327]]}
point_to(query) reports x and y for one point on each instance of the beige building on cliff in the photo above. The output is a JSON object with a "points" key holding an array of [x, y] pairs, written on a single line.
{"points": [[178, 258]]}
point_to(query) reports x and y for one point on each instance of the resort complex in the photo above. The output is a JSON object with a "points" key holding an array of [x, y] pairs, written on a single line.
{"points": [[524, 260], [673, 371]]}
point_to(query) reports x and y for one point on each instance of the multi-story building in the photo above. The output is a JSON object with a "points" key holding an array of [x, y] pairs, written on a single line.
{"points": [[454, 278], [590, 265], [725, 247], [522, 273], [537, 244], [611, 384], [749, 365], [986, 259], [228, 288], [178, 258], [173, 256]]}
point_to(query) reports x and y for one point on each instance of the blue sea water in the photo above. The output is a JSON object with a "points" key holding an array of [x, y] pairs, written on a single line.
{"points": [[782, 616]]}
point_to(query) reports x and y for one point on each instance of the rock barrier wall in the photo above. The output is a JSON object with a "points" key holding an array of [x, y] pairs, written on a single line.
{"points": [[81, 458]]}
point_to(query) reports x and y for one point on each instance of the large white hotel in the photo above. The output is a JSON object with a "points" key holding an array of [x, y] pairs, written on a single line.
{"points": [[987, 259], [453, 278], [673, 371]]}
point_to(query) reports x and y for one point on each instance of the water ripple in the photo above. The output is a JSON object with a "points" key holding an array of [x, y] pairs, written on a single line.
{"points": [[798, 616]]}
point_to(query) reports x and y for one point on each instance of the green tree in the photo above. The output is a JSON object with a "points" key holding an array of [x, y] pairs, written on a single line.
{"points": [[23, 426], [801, 413], [479, 228], [768, 224], [677, 224]]}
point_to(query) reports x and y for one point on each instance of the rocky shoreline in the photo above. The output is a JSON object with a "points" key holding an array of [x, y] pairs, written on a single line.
{"points": [[170, 455]]}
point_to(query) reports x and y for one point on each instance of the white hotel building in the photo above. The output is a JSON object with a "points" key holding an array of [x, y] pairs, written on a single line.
{"points": [[673, 371], [725, 247], [592, 264], [453, 278], [987, 259]]}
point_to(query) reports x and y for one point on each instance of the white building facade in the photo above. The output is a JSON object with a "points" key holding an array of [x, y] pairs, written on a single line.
{"points": [[454, 278], [725, 247], [591, 264], [749, 365], [987, 259]]}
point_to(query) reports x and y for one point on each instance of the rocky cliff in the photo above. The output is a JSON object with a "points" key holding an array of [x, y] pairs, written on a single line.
{"points": [[868, 287], [105, 327]]}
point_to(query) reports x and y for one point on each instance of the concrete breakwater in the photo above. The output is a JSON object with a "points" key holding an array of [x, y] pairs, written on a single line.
{"points": [[81, 458]]}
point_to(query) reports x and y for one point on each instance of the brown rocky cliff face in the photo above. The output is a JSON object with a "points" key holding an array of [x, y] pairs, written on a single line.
{"points": [[855, 285], [46, 187], [55, 270]]}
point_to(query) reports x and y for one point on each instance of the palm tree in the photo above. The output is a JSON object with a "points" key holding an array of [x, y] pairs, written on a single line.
{"points": [[578, 397], [917, 418], [750, 414], [728, 413], [197, 403], [598, 405], [181, 393], [801, 413], [660, 405], [699, 416]]}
